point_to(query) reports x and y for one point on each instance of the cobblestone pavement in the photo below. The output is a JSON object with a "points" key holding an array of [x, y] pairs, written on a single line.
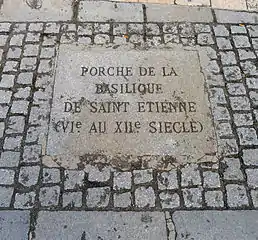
{"points": [[31, 181]]}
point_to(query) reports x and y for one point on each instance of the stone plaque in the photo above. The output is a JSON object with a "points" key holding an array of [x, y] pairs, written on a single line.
{"points": [[122, 106]]}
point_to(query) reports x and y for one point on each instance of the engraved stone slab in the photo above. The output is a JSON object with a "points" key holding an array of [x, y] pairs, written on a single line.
{"points": [[129, 106]]}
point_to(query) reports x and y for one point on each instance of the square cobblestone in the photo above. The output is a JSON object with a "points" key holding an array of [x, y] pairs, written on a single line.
{"points": [[232, 169], [223, 43], [72, 199], [190, 175], [242, 119], [254, 195], [7, 176], [20, 107], [13, 143], [122, 180], [169, 200], [167, 180], [51, 175], [24, 200], [5, 196], [49, 196], [252, 83], [98, 175], [236, 195], [252, 177], [211, 179], [228, 58], [142, 176], [220, 30], [240, 103], [247, 136], [144, 197], [98, 197], [193, 197], [250, 157], [232, 73], [236, 88], [245, 54], [15, 124], [214, 199], [122, 200], [9, 159], [31, 153], [238, 29], [241, 41], [74, 179], [29, 176]]}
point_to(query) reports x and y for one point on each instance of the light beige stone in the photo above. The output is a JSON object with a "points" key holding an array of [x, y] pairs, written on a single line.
{"points": [[229, 4], [193, 2], [185, 85], [37, 10]]}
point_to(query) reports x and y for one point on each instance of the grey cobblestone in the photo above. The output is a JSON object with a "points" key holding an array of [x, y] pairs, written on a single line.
{"points": [[29, 176], [99, 175], [24, 200], [228, 58], [169, 200], [247, 136], [142, 176], [245, 54], [190, 175], [20, 107], [72, 199], [98, 197], [240, 103], [224, 130], [231, 169], [221, 31], [232, 73], [144, 197], [122, 200], [167, 180], [242, 119], [241, 41], [236, 195], [211, 179], [9, 159], [5, 196], [250, 156], [49, 196], [254, 194], [51, 175], [12, 143], [214, 199], [236, 89], [238, 29], [223, 43], [15, 124], [122, 180], [252, 83], [252, 179], [6, 176], [193, 197], [73, 179]]}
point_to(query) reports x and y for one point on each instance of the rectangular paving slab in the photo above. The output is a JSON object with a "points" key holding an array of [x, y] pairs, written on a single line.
{"points": [[14, 225], [101, 225], [217, 225]]}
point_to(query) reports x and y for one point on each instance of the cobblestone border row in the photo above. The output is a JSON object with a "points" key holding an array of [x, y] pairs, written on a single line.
{"points": [[28, 52]]}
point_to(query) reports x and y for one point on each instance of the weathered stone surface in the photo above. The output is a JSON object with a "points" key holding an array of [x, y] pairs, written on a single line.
{"points": [[223, 225], [108, 11], [142, 129], [101, 225], [36, 10], [14, 224], [170, 13]]}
